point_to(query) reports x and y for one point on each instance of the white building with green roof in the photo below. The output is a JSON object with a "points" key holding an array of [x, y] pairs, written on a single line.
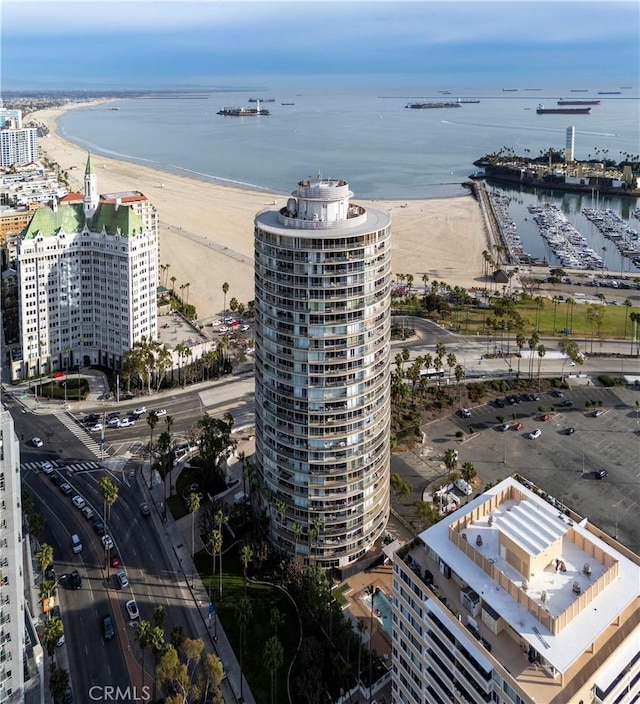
{"points": [[87, 272]]}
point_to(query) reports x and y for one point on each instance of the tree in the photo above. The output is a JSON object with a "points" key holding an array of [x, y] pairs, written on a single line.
{"points": [[372, 592], [627, 304], [152, 421], [109, 493], [143, 638], [273, 655], [44, 557], [225, 289], [216, 443], [400, 486], [246, 555], [542, 350], [451, 459], [468, 471], [244, 614], [58, 683], [53, 630], [221, 520], [214, 546], [156, 645], [193, 504]]}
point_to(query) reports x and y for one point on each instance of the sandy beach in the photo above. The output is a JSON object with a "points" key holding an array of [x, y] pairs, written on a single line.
{"points": [[206, 229]]}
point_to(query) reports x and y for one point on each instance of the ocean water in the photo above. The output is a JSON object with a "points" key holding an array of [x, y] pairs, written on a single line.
{"points": [[367, 137]]}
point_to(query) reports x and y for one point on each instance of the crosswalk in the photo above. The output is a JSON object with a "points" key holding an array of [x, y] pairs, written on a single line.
{"points": [[72, 426], [76, 468]]}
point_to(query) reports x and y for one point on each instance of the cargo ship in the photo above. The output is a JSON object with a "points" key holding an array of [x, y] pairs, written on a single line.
{"points": [[262, 100], [243, 112], [467, 101], [427, 106], [563, 111], [579, 102], [608, 92]]}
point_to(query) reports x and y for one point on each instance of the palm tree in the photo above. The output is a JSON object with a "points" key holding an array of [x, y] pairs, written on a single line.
{"points": [[109, 493], [214, 545], [156, 645], [221, 519], [58, 683], [244, 614], [451, 459], [152, 421], [273, 656], [193, 504], [542, 350], [143, 638], [225, 288], [246, 553], [44, 556], [53, 630], [371, 591], [173, 285], [297, 532], [627, 304]]}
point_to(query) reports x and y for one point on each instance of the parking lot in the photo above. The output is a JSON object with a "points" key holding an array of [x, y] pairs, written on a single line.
{"points": [[564, 465]]}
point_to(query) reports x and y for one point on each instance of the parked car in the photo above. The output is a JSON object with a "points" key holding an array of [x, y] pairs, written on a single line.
{"points": [[76, 543], [87, 512], [558, 394], [67, 697], [115, 561], [66, 488], [132, 610], [545, 416], [144, 509], [98, 526], [504, 427], [122, 580], [465, 413], [601, 474], [500, 403], [47, 468], [597, 413], [37, 442], [107, 541], [464, 487], [78, 501], [567, 403], [536, 433], [569, 431], [56, 479], [108, 630], [518, 426]]}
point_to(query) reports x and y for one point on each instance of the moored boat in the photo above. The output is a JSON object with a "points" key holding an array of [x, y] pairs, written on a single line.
{"points": [[541, 110]]}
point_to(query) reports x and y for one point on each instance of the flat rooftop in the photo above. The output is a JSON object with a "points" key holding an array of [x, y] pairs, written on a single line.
{"points": [[570, 560]]}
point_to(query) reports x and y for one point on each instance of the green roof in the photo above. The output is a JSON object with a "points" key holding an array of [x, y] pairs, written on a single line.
{"points": [[70, 218], [89, 167]]}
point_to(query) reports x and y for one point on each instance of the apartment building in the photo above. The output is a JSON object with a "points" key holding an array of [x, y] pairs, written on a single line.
{"points": [[18, 144], [322, 348], [88, 274], [21, 657], [511, 600]]}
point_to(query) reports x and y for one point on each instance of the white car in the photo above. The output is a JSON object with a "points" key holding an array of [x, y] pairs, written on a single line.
{"points": [[107, 542], [126, 423], [78, 501], [113, 423], [535, 433], [161, 412], [140, 411], [132, 610], [96, 428], [465, 413], [464, 487], [37, 442], [87, 512], [215, 323], [47, 468], [122, 579]]}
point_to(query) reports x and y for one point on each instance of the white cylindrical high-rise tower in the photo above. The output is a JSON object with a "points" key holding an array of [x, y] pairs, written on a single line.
{"points": [[322, 305], [570, 145]]}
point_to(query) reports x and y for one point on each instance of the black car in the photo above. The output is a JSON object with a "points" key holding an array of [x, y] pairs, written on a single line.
{"points": [[108, 631], [512, 400], [76, 580], [56, 479], [113, 414], [567, 403], [67, 697], [90, 419], [50, 573], [144, 509], [558, 394], [500, 403], [569, 431], [98, 526]]}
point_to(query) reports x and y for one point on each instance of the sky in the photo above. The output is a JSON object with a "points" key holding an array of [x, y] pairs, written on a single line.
{"points": [[123, 44]]}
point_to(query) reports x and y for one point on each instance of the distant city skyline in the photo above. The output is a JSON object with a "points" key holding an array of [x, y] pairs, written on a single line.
{"points": [[171, 44]]}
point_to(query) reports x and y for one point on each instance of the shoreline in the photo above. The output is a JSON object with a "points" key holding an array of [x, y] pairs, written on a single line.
{"points": [[206, 226]]}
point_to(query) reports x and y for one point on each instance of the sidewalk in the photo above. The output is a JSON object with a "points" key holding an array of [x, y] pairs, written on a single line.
{"points": [[177, 548]]}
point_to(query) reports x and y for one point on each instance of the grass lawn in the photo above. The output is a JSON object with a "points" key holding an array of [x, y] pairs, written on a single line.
{"points": [[77, 389], [339, 592], [177, 506], [263, 600]]}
